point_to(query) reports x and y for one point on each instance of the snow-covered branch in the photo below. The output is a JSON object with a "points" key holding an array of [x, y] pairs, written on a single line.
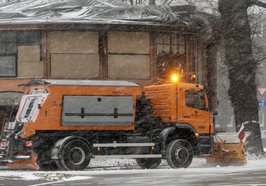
{"points": [[260, 3]]}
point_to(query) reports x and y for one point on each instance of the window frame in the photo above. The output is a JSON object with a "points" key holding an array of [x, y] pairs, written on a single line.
{"points": [[197, 101], [171, 40], [26, 42], [16, 66]]}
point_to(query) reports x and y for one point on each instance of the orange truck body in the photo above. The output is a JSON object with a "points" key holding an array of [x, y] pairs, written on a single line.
{"points": [[169, 103], [49, 117], [58, 118]]}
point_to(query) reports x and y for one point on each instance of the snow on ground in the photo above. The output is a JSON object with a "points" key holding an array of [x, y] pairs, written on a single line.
{"points": [[120, 166]]}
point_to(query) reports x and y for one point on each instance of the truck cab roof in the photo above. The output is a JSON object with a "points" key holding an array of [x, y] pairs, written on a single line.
{"points": [[179, 85]]}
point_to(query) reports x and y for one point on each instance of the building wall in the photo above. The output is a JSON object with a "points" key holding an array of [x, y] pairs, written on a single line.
{"points": [[93, 54], [68, 54]]}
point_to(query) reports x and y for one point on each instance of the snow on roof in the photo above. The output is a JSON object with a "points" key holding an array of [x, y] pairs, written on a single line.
{"points": [[80, 83], [105, 11]]}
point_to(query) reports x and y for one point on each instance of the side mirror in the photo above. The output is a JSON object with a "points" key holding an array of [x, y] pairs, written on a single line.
{"points": [[215, 113], [207, 90]]}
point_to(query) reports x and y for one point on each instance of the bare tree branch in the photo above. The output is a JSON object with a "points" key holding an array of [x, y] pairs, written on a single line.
{"points": [[260, 3]]}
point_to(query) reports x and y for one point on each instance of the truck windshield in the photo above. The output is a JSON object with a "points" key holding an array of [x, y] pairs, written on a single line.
{"points": [[29, 107], [196, 99]]}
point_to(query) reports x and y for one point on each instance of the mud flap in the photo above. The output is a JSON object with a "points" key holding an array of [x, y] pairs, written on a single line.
{"points": [[25, 164]]}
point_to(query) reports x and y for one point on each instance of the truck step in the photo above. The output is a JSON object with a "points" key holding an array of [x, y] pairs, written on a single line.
{"points": [[22, 157], [205, 145], [130, 156], [124, 145], [205, 155]]}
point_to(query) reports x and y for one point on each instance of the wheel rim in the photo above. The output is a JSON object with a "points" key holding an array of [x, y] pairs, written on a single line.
{"points": [[182, 154], [77, 156]]}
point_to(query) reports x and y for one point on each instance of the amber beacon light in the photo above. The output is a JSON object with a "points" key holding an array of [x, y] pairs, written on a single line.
{"points": [[175, 78]]}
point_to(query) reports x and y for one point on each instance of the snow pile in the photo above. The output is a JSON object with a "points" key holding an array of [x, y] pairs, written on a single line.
{"points": [[121, 164], [40, 175], [24, 175]]}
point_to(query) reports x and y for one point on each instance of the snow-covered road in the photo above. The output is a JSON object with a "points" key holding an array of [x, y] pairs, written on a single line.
{"points": [[125, 172]]}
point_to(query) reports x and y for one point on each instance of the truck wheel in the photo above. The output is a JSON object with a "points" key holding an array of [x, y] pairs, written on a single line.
{"points": [[45, 162], [75, 155], [148, 163], [179, 153]]}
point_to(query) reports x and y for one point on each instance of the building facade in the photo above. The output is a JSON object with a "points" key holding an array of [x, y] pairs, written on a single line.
{"points": [[106, 50]]}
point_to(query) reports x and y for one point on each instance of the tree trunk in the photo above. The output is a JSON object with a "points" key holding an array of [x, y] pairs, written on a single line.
{"points": [[151, 2], [241, 66], [211, 53]]}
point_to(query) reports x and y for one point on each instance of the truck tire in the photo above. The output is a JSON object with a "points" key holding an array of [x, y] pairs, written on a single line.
{"points": [[148, 163], [45, 162], [179, 154], [75, 155]]}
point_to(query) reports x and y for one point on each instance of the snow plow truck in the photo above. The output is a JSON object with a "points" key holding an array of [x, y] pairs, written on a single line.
{"points": [[63, 124]]}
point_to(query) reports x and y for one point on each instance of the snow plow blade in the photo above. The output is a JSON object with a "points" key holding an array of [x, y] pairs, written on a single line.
{"points": [[228, 150], [29, 164]]}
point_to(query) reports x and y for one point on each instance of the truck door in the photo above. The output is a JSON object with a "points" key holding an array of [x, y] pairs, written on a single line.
{"points": [[193, 109]]}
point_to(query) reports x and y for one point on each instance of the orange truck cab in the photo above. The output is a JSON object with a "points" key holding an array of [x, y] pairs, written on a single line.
{"points": [[68, 122]]}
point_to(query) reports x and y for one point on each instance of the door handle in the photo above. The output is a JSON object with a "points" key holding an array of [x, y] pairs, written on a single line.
{"points": [[186, 116], [195, 114], [115, 113]]}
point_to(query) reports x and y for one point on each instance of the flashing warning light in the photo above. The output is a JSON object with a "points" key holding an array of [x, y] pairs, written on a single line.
{"points": [[193, 78], [175, 78], [28, 144]]}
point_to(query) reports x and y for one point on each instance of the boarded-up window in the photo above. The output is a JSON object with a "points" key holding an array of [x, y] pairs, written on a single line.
{"points": [[129, 66], [128, 42], [74, 54], [10, 41], [29, 64], [128, 56], [75, 65]]}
